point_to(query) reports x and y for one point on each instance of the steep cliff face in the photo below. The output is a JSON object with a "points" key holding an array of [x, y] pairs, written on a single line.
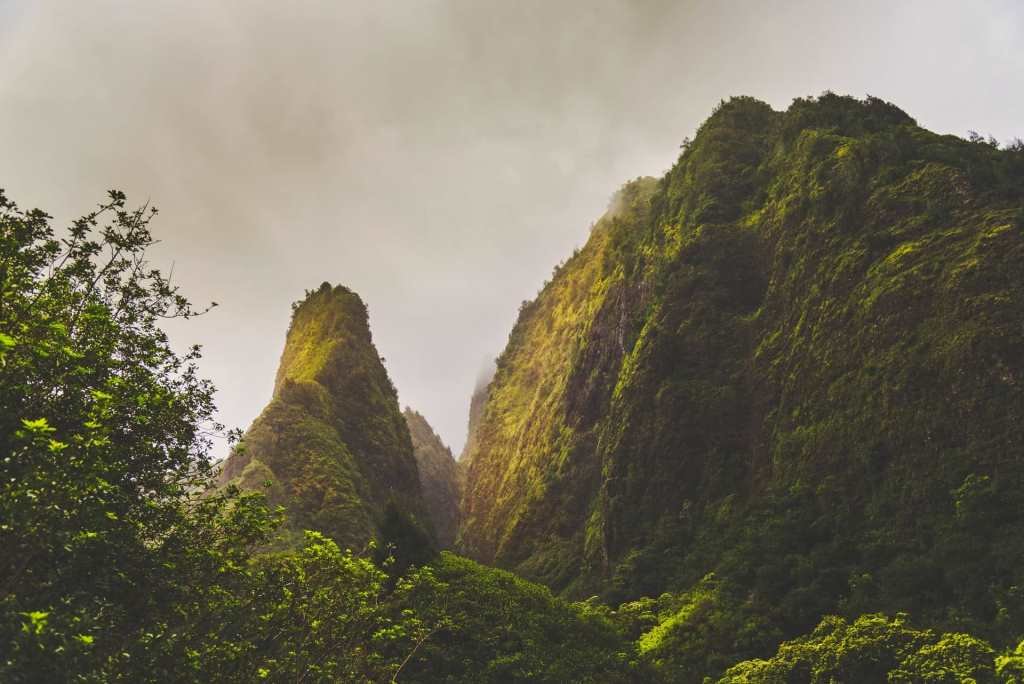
{"points": [[476, 412], [332, 442], [439, 477], [530, 470], [797, 360]]}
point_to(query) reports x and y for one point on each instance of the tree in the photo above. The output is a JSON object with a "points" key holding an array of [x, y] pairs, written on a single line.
{"points": [[874, 648], [106, 523]]}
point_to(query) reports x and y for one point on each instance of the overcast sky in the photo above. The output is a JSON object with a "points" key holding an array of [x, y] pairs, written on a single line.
{"points": [[437, 157]]}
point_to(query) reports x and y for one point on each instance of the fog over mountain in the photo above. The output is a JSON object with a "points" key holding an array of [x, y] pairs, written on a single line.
{"points": [[436, 157]]}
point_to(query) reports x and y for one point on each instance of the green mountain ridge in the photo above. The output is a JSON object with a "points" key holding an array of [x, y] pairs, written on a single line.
{"points": [[794, 362], [332, 444]]}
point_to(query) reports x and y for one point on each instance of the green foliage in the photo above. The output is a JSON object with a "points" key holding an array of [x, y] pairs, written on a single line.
{"points": [[500, 628], [316, 613], [701, 631], [111, 546], [873, 648], [1010, 666]]}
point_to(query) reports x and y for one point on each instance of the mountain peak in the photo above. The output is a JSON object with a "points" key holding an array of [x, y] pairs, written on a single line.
{"points": [[332, 441], [327, 319]]}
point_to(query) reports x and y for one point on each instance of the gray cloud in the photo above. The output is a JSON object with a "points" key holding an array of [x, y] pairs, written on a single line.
{"points": [[437, 157]]}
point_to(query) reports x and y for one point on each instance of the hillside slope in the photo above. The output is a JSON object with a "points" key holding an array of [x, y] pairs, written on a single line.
{"points": [[439, 478], [332, 442], [796, 361]]}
